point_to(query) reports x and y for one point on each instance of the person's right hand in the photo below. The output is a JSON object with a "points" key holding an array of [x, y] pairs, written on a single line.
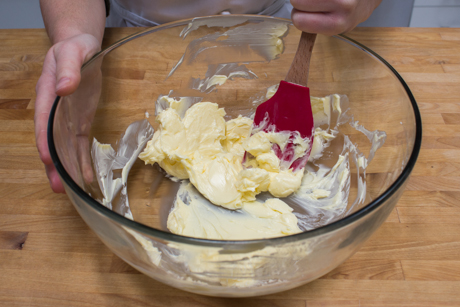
{"points": [[331, 17], [60, 77]]}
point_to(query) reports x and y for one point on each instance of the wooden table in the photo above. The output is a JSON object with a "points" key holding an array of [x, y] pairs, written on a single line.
{"points": [[49, 257]]}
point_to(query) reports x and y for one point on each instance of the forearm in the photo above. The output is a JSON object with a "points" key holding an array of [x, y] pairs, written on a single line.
{"points": [[66, 18]]}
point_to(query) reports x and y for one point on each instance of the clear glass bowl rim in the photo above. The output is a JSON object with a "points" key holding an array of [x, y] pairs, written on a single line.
{"points": [[160, 234]]}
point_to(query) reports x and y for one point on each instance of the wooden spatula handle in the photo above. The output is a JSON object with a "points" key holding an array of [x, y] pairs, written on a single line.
{"points": [[298, 73]]}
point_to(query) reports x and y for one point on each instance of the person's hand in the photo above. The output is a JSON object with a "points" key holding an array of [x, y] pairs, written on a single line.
{"points": [[60, 76], [331, 17]]}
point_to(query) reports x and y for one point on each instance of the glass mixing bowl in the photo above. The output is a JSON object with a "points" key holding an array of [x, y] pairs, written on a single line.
{"points": [[121, 84]]}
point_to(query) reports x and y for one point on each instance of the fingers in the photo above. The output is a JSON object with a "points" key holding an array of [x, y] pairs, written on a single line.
{"points": [[331, 17], [46, 95], [84, 158], [316, 6], [54, 180], [319, 22]]}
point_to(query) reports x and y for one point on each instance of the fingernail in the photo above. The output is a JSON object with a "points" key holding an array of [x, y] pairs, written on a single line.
{"points": [[63, 82]]}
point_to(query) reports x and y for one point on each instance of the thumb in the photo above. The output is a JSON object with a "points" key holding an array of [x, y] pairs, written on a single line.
{"points": [[70, 56]]}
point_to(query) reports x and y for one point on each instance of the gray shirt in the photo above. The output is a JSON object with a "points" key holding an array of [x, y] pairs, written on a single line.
{"points": [[149, 13]]}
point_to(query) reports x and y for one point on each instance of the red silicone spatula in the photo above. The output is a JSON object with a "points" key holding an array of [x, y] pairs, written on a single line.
{"points": [[289, 110]]}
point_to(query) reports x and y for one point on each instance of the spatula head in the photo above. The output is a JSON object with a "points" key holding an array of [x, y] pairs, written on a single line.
{"points": [[288, 111]]}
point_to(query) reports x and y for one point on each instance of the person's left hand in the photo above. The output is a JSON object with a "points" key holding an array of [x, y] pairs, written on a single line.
{"points": [[331, 17]]}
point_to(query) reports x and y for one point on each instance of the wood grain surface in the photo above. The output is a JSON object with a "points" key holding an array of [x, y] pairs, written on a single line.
{"points": [[49, 257]]}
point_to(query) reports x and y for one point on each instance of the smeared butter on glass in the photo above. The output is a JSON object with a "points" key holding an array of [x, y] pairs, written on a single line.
{"points": [[321, 198], [323, 193], [195, 144]]}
